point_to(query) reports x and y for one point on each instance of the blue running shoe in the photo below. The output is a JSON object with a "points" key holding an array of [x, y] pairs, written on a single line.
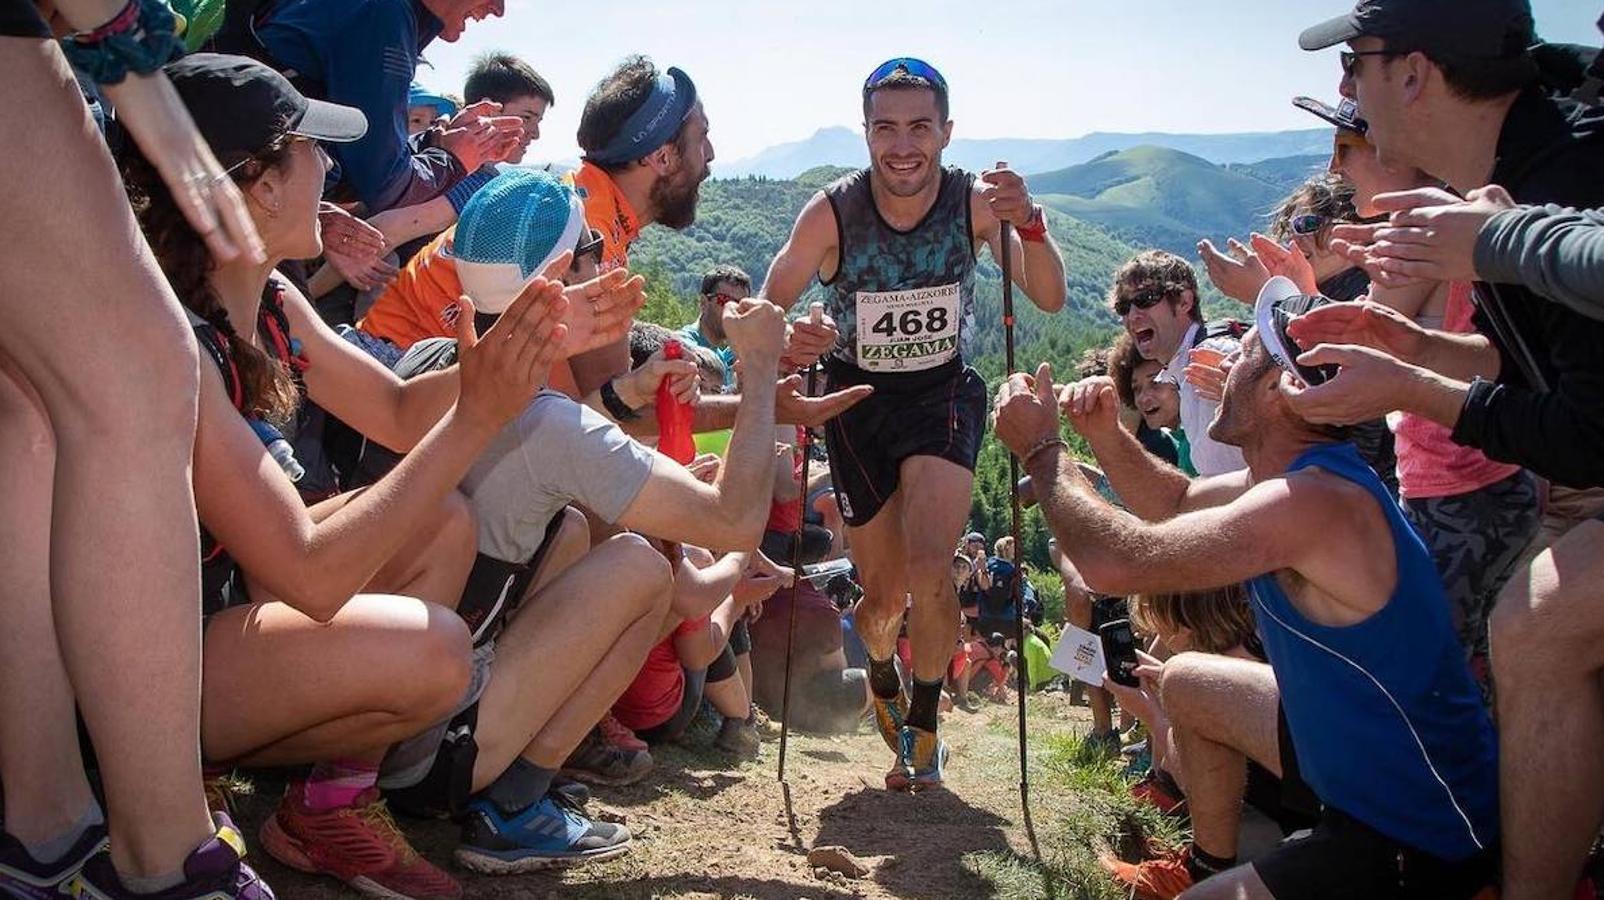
{"points": [[26, 878], [550, 834], [921, 761]]}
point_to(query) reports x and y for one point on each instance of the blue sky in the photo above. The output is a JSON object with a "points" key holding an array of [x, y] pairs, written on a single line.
{"points": [[771, 72]]}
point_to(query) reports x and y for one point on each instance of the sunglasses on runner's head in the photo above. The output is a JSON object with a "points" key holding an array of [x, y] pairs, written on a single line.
{"points": [[918, 68], [1307, 224], [1142, 300]]}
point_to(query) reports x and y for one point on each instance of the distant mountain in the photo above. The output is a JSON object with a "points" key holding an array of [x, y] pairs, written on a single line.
{"points": [[1154, 196], [838, 146], [1286, 172]]}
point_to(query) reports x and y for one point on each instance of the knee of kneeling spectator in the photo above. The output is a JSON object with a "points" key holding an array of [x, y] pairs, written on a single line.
{"points": [[1183, 690], [445, 653]]}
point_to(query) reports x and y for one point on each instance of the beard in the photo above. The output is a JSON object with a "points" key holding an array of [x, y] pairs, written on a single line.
{"points": [[674, 199]]}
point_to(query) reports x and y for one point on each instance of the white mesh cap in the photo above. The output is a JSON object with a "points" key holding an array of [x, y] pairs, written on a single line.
{"points": [[510, 230]]}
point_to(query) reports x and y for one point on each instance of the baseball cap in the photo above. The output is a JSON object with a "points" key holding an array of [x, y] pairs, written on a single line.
{"points": [[418, 95], [1477, 29], [242, 107], [1279, 303], [1344, 115], [510, 230]]}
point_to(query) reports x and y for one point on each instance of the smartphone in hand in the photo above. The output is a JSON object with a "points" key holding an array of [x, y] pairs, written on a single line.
{"points": [[1119, 652]]}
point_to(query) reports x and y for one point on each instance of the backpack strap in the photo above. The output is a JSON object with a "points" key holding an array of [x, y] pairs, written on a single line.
{"points": [[274, 324]]}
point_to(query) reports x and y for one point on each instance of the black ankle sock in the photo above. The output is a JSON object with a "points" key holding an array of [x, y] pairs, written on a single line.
{"points": [[1201, 865], [926, 700], [883, 678], [520, 787]]}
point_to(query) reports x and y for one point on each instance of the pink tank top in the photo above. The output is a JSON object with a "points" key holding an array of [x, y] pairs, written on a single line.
{"points": [[1430, 464]]}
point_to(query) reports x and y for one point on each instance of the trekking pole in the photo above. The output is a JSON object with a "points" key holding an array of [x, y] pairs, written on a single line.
{"points": [[1013, 490], [816, 317]]}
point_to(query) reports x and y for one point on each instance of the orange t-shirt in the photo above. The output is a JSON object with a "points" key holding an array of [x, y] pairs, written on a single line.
{"points": [[422, 301], [608, 211]]}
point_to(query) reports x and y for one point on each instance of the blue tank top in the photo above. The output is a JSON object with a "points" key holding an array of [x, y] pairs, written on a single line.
{"points": [[904, 300], [1387, 723]]}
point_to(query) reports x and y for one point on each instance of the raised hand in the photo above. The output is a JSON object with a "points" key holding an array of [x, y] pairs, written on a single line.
{"points": [[809, 338], [1238, 275], [1205, 373], [476, 135], [1288, 262], [1026, 412], [1092, 406], [1367, 385], [756, 330], [792, 407], [639, 387], [503, 370], [1361, 323], [1006, 195], [599, 310], [1428, 240], [150, 110], [353, 247]]}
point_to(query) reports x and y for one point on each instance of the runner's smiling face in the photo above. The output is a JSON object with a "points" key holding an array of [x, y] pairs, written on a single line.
{"points": [[906, 135]]}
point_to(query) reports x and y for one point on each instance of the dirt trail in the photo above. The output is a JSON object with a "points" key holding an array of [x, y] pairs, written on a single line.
{"points": [[705, 830]]}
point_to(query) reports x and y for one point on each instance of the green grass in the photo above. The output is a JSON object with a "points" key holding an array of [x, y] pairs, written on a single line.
{"points": [[1082, 809]]}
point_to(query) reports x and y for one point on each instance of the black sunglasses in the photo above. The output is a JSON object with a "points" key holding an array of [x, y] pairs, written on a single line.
{"points": [[590, 244], [1350, 58], [1144, 300]]}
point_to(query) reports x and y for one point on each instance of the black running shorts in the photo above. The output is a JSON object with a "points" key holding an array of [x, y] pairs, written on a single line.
{"points": [[20, 18], [940, 413], [1344, 858]]}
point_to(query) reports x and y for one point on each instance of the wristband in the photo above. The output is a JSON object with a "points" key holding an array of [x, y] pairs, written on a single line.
{"points": [[140, 39], [615, 404], [1041, 445], [1034, 231]]}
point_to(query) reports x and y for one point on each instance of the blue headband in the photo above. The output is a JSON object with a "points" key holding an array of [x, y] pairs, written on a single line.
{"points": [[654, 124]]}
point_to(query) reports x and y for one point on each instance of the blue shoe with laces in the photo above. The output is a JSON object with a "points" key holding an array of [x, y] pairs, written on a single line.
{"points": [[550, 834]]}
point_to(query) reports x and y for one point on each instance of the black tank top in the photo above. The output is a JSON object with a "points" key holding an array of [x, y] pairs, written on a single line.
{"points": [[904, 300]]}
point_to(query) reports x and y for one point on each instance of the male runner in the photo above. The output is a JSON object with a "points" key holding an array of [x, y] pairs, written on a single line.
{"points": [[895, 247]]}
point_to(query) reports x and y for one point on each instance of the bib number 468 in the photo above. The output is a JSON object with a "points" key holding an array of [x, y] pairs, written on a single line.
{"points": [[911, 322]]}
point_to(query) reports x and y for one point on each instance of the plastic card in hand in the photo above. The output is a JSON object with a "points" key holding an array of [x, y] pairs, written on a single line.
{"points": [[1079, 655]]}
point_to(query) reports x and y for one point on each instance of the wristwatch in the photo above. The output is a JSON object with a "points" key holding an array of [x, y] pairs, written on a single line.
{"points": [[615, 404]]}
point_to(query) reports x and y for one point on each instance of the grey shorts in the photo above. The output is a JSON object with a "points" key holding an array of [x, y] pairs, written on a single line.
{"points": [[407, 763]]}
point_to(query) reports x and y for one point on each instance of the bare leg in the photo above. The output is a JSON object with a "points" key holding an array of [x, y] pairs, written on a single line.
{"points": [[95, 328], [280, 688], [934, 504], [1546, 654], [1223, 713], [569, 654], [884, 576], [729, 697], [39, 759]]}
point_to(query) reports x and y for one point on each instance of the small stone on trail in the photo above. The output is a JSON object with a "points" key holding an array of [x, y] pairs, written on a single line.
{"points": [[837, 859]]}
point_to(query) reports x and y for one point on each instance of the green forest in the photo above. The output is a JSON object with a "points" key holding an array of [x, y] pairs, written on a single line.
{"points": [[745, 221]]}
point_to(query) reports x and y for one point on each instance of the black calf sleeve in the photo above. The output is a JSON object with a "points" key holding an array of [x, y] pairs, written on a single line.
{"points": [[723, 667]]}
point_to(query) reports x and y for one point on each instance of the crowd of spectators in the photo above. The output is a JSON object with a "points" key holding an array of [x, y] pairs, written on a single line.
{"points": [[391, 421]]}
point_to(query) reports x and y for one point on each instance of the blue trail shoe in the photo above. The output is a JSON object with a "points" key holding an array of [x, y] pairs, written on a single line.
{"points": [[550, 834], [921, 761]]}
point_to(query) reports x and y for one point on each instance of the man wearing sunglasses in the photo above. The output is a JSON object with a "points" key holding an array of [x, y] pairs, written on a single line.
{"points": [[1155, 297], [895, 247], [721, 286]]}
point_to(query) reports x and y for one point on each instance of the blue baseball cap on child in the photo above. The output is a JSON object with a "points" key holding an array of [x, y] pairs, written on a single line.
{"points": [[418, 95], [510, 230]]}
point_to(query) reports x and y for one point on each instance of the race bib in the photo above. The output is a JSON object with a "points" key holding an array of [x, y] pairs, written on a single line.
{"points": [[907, 331]]}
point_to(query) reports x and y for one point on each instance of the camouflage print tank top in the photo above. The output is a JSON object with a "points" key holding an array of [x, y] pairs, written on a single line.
{"points": [[904, 300]]}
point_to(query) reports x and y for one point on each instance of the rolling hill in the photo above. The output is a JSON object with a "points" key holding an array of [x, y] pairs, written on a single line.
{"points": [[840, 146], [1161, 197]]}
